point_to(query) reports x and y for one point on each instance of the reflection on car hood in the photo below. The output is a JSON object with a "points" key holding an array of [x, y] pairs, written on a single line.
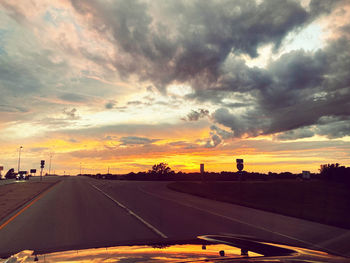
{"points": [[205, 249]]}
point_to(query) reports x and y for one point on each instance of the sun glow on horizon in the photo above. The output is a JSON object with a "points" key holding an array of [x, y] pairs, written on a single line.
{"points": [[172, 84]]}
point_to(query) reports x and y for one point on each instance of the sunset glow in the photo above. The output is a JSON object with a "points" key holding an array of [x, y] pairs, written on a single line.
{"points": [[127, 84]]}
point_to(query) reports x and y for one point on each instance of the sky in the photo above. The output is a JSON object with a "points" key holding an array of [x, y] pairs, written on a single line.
{"points": [[127, 84]]}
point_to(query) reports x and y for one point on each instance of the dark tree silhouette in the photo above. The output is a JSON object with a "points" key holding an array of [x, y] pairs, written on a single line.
{"points": [[160, 169], [328, 170], [336, 173], [10, 174]]}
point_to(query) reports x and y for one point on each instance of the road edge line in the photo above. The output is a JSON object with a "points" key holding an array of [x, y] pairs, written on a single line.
{"points": [[154, 229], [26, 205]]}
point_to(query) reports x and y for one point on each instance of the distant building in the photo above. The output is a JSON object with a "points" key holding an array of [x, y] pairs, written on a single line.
{"points": [[202, 168], [306, 175]]}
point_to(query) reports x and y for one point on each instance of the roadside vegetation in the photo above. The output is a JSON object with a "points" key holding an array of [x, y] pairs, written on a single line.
{"points": [[162, 172], [13, 196], [325, 199], [322, 197]]}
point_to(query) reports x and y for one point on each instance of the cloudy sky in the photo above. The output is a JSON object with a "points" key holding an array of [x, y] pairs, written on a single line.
{"points": [[126, 84]]}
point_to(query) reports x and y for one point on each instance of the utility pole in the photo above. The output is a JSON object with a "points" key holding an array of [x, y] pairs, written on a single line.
{"points": [[108, 170], [19, 158], [50, 163], [80, 168]]}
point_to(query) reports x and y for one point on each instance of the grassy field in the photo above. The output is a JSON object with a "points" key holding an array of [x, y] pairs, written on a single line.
{"points": [[324, 202]]}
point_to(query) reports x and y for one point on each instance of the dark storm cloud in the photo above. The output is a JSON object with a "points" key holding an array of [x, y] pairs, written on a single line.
{"points": [[297, 91], [38, 149], [134, 140], [237, 105], [135, 103], [72, 97], [119, 130], [184, 145], [27, 72], [71, 114], [196, 115], [16, 78], [67, 117], [149, 89], [345, 29], [12, 108], [222, 133], [195, 38], [295, 134], [110, 105], [14, 12], [336, 129], [318, 7], [214, 141], [330, 127], [250, 124], [199, 43], [308, 87]]}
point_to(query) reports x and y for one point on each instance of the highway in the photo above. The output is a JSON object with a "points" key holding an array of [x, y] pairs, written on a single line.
{"points": [[81, 212]]}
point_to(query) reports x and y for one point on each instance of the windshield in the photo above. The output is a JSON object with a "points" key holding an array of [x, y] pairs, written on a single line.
{"points": [[129, 122]]}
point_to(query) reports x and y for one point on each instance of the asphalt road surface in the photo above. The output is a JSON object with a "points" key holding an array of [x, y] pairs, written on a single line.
{"points": [[81, 212]]}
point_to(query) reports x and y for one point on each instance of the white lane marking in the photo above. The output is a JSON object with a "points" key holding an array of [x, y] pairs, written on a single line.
{"points": [[132, 213], [239, 221]]}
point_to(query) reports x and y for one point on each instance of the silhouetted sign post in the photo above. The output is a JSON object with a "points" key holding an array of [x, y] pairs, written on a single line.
{"points": [[240, 167], [32, 171], [42, 164], [1, 168]]}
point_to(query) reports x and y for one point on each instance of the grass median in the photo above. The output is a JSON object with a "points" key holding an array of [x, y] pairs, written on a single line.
{"points": [[13, 196], [323, 202]]}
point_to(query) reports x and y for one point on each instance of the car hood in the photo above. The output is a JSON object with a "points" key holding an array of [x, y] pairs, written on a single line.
{"points": [[208, 248]]}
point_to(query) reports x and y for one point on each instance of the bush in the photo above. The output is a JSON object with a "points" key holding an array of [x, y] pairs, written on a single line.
{"points": [[334, 172]]}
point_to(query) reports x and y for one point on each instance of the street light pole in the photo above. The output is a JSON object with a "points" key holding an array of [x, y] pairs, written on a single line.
{"points": [[19, 158], [50, 164]]}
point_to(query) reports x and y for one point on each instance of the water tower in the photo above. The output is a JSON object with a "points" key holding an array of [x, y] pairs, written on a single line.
{"points": [[202, 168]]}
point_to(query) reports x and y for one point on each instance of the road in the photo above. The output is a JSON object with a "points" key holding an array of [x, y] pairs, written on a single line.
{"points": [[81, 212]]}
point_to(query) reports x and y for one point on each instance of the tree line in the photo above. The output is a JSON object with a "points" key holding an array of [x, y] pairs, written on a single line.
{"points": [[161, 171], [335, 173]]}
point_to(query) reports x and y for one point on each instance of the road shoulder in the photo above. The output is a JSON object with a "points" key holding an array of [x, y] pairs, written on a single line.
{"points": [[16, 195]]}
